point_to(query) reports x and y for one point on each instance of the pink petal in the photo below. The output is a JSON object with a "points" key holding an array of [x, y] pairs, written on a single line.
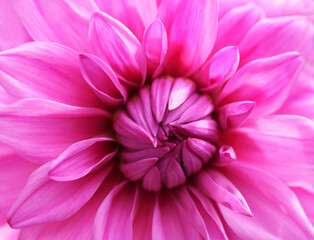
{"points": [[43, 20], [265, 81], [134, 14], [81, 158], [45, 70], [116, 213], [279, 144], [5, 97], [306, 199], [152, 180], [226, 155], [8, 233], [209, 214], [175, 174], [137, 170], [191, 26], [222, 67], [14, 171], [155, 44], [180, 92], [144, 153], [160, 91], [191, 162], [117, 46], [170, 220], [44, 200], [78, 226], [202, 148], [12, 30], [234, 114], [40, 130], [277, 213], [234, 26], [216, 186], [275, 36], [102, 80]]}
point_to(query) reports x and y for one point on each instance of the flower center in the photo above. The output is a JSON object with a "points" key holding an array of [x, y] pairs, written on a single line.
{"points": [[166, 133]]}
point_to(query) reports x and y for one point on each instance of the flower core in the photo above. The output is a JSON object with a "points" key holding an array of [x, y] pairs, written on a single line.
{"points": [[166, 132]]}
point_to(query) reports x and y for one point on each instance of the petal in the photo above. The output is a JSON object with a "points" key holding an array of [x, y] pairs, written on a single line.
{"points": [[277, 213], [279, 144], [180, 92], [226, 155], [117, 46], [234, 26], [235, 114], [170, 220], [81, 158], [306, 199], [136, 170], [43, 20], [134, 14], [8, 233], [45, 70], [14, 171], [191, 26], [265, 81], [116, 210], [40, 130], [274, 36], [101, 78], [152, 180], [79, 225], [155, 44], [12, 30], [44, 200], [216, 186]]}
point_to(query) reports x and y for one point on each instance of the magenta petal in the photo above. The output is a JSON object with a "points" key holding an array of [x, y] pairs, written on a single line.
{"points": [[175, 174], [11, 27], [40, 130], [191, 26], [271, 201], [234, 26], [102, 80], [44, 200], [218, 187], [265, 81], [273, 36], [180, 92], [14, 171], [222, 67], [235, 114], [43, 20], [47, 71], [137, 170], [160, 91], [155, 44], [202, 148], [117, 46], [191, 162], [152, 180], [170, 220], [226, 155], [116, 213], [81, 158], [144, 153], [134, 14]]}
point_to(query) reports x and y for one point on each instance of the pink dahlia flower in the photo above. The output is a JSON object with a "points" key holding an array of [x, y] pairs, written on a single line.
{"points": [[157, 119]]}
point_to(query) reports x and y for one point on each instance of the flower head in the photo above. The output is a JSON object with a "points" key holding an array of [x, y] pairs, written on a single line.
{"points": [[172, 119]]}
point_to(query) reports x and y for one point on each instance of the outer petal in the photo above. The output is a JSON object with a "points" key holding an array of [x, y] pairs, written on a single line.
{"points": [[170, 220], [281, 145], [43, 19], [12, 30], [306, 199], [274, 36], [44, 200], [78, 226], [115, 44], [8, 233], [40, 130], [265, 81], [83, 157], [45, 70], [277, 213], [134, 14], [191, 26], [14, 171], [116, 213]]}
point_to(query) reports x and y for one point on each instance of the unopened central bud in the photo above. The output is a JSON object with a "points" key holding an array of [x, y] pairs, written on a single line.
{"points": [[166, 133]]}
